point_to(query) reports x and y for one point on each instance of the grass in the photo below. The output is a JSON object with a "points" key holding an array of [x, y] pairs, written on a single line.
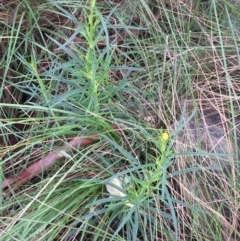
{"points": [[69, 69]]}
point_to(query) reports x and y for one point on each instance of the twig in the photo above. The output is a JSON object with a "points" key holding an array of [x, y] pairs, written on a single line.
{"points": [[13, 182]]}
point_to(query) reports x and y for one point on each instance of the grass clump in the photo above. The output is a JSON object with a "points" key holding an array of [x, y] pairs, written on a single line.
{"points": [[120, 73]]}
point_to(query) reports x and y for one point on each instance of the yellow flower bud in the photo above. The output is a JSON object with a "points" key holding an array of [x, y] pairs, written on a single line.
{"points": [[165, 136]]}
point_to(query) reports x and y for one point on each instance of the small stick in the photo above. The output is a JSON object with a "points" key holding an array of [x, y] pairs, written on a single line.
{"points": [[48, 161]]}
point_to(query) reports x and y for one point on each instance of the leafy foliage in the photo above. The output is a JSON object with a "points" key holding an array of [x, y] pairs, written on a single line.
{"points": [[70, 68]]}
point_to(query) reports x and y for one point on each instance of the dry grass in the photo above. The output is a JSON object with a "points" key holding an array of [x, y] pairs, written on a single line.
{"points": [[189, 53]]}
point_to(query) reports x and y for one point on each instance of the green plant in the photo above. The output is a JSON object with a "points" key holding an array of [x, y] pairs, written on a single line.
{"points": [[69, 69]]}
